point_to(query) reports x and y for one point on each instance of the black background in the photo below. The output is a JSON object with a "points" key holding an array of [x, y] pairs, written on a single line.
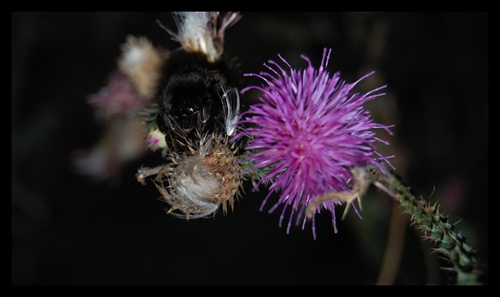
{"points": [[69, 230]]}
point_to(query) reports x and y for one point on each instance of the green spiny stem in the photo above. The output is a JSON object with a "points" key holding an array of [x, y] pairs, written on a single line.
{"points": [[436, 227]]}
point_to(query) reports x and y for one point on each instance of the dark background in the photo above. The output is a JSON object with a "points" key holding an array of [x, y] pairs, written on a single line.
{"points": [[70, 230]]}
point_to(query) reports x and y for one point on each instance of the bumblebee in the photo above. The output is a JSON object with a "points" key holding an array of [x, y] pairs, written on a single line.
{"points": [[191, 103], [197, 116]]}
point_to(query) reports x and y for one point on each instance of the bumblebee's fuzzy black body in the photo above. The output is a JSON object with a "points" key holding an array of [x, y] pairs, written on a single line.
{"points": [[191, 100], [189, 96]]}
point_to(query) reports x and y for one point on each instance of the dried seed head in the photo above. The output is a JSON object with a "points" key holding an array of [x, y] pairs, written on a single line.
{"points": [[197, 183], [143, 64]]}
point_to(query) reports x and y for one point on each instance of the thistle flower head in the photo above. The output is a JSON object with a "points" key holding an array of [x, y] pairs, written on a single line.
{"points": [[119, 96], [134, 83], [308, 131], [155, 140]]}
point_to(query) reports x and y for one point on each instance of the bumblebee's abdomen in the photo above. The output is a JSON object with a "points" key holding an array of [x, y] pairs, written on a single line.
{"points": [[190, 102]]}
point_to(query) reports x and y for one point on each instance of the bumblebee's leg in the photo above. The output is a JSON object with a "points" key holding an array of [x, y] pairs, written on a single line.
{"points": [[163, 122]]}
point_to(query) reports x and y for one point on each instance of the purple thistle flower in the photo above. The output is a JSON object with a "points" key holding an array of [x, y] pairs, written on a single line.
{"points": [[309, 129]]}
